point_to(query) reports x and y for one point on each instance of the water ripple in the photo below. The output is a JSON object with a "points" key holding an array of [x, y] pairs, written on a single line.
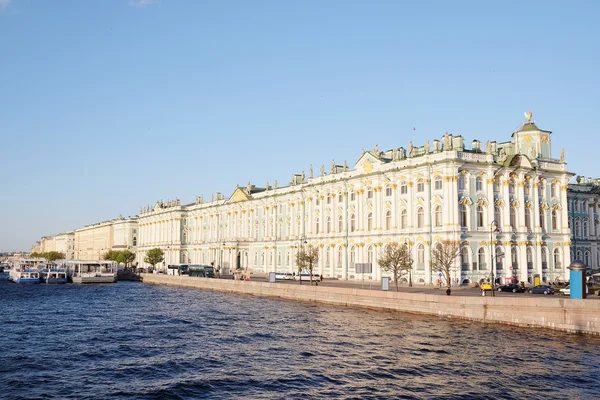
{"points": [[135, 341]]}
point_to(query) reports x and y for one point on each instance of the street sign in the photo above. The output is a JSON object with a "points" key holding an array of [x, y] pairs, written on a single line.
{"points": [[440, 274], [510, 267]]}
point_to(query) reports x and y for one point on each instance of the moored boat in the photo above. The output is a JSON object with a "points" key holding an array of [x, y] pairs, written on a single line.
{"points": [[79, 271], [52, 273], [24, 274]]}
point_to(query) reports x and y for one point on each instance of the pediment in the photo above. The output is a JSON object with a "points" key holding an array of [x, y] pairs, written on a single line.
{"points": [[238, 195], [519, 160], [367, 163]]}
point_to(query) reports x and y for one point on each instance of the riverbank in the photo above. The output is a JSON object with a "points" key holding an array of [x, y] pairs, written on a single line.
{"points": [[558, 313]]}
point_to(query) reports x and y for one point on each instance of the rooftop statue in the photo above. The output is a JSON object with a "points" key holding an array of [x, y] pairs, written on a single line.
{"points": [[332, 166], [345, 165], [562, 155], [310, 172], [322, 170], [427, 146]]}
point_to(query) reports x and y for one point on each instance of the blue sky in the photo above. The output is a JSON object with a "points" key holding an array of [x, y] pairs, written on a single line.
{"points": [[111, 105]]}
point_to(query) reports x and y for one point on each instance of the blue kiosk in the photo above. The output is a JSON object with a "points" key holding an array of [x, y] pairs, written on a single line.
{"points": [[577, 277]]}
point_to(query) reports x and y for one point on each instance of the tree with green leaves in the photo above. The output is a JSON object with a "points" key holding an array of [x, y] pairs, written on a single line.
{"points": [[35, 254], [395, 259], [126, 257], [111, 255], [307, 259], [154, 256], [443, 257], [52, 256]]}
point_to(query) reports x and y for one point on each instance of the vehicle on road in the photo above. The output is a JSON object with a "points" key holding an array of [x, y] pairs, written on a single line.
{"points": [[565, 291], [287, 276], [541, 289], [485, 286], [511, 287], [201, 271]]}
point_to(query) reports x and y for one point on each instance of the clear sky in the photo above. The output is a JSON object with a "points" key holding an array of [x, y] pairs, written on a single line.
{"points": [[110, 105]]}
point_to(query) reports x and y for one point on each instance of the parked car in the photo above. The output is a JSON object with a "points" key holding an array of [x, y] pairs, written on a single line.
{"points": [[485, 286], [511, 287], [565, 291], [541, 289]]}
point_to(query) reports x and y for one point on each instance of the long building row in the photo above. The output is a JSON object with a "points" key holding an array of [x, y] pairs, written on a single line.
{"points": [[509, 204]]}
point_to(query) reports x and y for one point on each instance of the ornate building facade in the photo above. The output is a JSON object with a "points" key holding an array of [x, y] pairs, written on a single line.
{"points": [[583, 209], [93, 241], [505, 202]]}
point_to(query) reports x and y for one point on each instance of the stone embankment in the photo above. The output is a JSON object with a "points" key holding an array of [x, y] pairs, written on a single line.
{"points": [[558, 313]]}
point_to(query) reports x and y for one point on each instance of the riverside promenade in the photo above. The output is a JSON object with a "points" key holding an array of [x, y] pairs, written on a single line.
{"points": [[549, 312]]}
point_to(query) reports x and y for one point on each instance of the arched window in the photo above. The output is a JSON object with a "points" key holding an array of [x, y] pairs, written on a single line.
{"points": [[328, 223], [403, 188], [541, 190], [479, 184], [512, 187], [352, 223], [403, 218], [437, 215], [388, 220], [526, 189], [287, 258], [579, 255], [498, 215], [317, 225], [184, 237], [542, 218], [369, 221], [557, 262], [464, 259], [420, 255], [340, 223], [528, 217], [544, 258], [529, 254], [585, 228], [328, 256], [577, 228], [255, 257], [279, 258], [513, 217], [498, 259], [462, 212], [328, 199], [553, 189], [461, 182], [420, 216], [481, 259], [554, 220], [352, 256], [370, 254], [339, 256], [480, 221], [587, 258], [496, 186]]}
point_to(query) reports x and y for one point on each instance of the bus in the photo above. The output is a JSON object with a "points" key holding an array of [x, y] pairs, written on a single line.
{"points": [[201, 271], [287, 276], [177, 269], [306, 277]]}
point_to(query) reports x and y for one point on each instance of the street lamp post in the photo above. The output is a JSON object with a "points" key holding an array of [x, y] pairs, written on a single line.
{"points": [[492, 230]]}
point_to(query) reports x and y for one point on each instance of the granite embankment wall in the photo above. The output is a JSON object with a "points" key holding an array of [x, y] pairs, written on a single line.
{"points": [[557, 313]]}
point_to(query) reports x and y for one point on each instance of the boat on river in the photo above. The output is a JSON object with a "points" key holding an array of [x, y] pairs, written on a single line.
{"points": [[25, 271], [52, 273], [95, 271]]}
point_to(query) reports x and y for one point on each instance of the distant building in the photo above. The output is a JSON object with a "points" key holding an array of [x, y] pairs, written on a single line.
{"points": [[93, 241], [420, 196], [583, 209]]}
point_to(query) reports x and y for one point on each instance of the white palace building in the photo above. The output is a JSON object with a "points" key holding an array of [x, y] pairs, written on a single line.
{"points": [[506, 202]]}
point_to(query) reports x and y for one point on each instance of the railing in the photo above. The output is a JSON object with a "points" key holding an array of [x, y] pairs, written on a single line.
{"points": [[472, 156]]}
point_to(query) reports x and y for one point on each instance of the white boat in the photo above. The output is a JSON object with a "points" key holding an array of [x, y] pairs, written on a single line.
{"points": [[25, 271], [52, 273], [79, 271]]}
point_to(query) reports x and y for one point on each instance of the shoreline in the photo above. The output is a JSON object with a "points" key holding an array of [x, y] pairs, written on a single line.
{"points": [[561, 314]]}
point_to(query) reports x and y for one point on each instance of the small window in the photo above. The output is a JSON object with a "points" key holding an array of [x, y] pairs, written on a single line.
{"points": [[420, 186], [352, 196], [438, 183], [340, 198], [369, 194], [388, 191], [461, 182], [328, 199], [403, 188], [420, 217], [479, 184], [388, 220], [318, 201]]}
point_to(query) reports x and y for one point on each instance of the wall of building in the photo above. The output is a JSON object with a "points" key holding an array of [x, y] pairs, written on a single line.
{"points": [[583, 211], [551, 313], [421, 196], [91, 242]]}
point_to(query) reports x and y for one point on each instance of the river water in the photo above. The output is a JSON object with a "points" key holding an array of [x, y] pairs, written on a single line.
{"points": [[136, 341]]}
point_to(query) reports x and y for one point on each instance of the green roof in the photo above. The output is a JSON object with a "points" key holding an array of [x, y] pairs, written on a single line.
{"points": [[530, 127]]}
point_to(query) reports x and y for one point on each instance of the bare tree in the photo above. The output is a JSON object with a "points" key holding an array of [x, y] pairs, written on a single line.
{"points": [[443, 257], [395, 259], [307, 259], [407, 262]]}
